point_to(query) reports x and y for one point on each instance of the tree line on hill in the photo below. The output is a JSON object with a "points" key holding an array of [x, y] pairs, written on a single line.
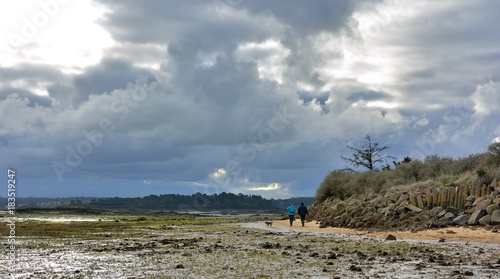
{"points": [[165, 202], [196, 202]]}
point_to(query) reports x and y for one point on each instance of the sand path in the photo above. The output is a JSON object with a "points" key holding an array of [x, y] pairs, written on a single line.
{"points": [[454, 234]]}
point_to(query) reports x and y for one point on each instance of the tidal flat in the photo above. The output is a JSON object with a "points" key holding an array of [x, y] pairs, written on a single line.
{"points": [[195, 246]]}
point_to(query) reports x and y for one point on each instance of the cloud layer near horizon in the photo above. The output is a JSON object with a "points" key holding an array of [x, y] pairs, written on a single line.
{"points": [[249, 96]]}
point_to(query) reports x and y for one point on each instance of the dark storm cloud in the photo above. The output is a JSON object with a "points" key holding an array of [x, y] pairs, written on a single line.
{"points": [[304, 17], [182, 22], [108, 75], [22, 79], [30, 73], [258, 91], [34, 99]]}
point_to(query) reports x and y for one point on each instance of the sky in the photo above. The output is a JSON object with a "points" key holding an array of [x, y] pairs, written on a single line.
{"points": [[126, 98]]}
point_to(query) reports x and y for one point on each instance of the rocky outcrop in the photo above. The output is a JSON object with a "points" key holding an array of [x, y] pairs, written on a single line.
{"points": [[409, 210]]}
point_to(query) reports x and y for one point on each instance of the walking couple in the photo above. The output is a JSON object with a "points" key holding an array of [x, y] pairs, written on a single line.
{"points": [[302, 210]]}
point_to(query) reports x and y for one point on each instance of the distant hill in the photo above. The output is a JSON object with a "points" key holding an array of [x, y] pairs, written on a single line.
{"points": [[222, 202], [44, 202]]}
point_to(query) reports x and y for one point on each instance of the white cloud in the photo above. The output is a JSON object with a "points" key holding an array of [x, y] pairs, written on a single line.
{"points": [[486, 100], [269, 187], [218, 174]]}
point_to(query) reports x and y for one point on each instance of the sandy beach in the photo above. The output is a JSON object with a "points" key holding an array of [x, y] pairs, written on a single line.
{"points": [[455, 234]]}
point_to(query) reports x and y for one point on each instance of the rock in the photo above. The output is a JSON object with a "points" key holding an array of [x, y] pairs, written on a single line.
{"points": [[340, 207], [447, 217], [432, 226], [268, 245], [355, 268], [421, 217], [460, 220], [441, 213], [482, 204], [495, 217], [401, 199], [470, 198], [390, 237], [474, 218], [491, 208], [413, 208], [477, 201], [436, 210], [486, 220]]}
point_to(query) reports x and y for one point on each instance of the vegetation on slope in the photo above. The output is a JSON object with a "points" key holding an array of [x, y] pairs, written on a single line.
{"points": [[434, 170]]}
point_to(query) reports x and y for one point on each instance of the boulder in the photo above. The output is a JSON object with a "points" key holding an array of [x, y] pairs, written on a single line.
{"points": [[495, 217], [413, 208], [474, 218], [436, 210], [470, 199], [422, 217], [390, 237], [491, 208], [477, 201], [441, 214], [486, 220], [482, 204], [402, 198], [339, 207], [451, 209], [447, 217], [460, 220]]}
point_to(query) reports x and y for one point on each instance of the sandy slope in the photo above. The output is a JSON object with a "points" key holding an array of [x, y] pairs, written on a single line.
{"points": [[449, 234]]}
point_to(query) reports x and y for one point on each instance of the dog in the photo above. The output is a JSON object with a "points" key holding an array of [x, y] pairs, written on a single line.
{"points": [[269, 223]]}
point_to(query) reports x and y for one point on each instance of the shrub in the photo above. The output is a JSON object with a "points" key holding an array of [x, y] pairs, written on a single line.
{"points": [[493, 154], [434, 170], [335, 184]]}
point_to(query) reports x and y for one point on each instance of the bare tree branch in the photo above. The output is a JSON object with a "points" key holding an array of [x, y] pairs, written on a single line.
{"points": [[369, 156]]}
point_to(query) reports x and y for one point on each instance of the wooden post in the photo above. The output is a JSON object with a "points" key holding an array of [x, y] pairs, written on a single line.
{"points": [[443, 198], [478, 191], [412, 199], [484, 190], [420, 202], [428, 199]]}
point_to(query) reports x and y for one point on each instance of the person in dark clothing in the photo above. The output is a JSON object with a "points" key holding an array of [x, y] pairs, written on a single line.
{"points": [[302, 212]]}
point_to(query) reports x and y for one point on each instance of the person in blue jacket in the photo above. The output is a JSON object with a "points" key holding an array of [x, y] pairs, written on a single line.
{"points": [[291, 213]]}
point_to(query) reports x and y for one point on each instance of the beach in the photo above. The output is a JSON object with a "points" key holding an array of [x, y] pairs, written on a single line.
{"points": [[454, 234], [236, 247]]}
